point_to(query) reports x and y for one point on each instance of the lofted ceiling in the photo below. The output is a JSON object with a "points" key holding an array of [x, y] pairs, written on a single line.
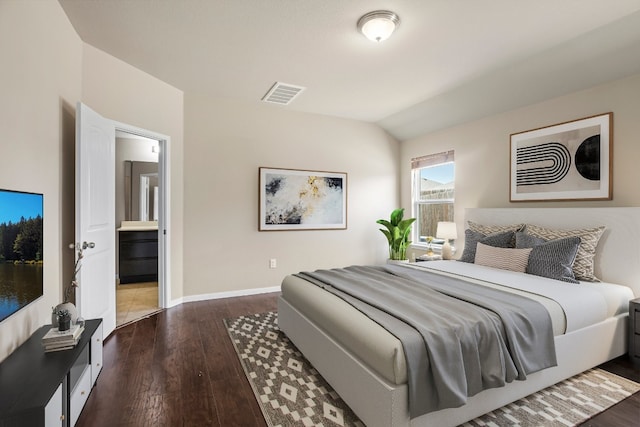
{"points": [[450, 61]]}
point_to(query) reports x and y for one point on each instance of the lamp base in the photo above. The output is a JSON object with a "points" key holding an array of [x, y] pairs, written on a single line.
{"points": [[447, 251]]}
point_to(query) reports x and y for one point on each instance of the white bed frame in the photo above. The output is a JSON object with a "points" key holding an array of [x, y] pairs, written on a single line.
{"points": [[380, 403]]}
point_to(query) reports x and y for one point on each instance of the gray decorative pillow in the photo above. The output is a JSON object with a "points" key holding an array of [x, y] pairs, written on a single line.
{"points": [[583, 267], [553, 258], [524, 240], [471, 239], [492, 229]]}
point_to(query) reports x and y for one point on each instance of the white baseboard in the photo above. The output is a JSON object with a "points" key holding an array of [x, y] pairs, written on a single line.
{"points": [[220, 295]]}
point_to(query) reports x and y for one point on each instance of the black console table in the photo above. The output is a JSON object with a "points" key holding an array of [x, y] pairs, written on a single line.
{"points": [[49, 389]]}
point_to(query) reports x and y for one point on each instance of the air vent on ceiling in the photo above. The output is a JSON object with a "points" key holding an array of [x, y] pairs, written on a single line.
{"points": [[282, 93]]}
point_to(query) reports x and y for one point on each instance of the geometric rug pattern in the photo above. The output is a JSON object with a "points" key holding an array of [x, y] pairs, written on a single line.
{"points": [[291, 392], [567, 403]]}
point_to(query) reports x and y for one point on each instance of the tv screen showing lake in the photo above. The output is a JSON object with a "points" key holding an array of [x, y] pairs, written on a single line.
{"points": [[21, 261], [19, 285]]}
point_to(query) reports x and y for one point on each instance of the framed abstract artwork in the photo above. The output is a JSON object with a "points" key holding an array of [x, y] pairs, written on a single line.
{"points": [[567, 161], [302, 200]]}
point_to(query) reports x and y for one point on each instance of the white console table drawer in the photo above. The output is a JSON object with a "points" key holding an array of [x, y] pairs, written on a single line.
{"points": [[79, 395], [96, 354], [53, 412]]}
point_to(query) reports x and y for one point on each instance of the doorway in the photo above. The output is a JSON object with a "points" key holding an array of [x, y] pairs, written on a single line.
{"points": [[95, 214], [137, 206]]}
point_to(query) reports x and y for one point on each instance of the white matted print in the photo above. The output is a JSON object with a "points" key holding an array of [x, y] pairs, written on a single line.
{"points": [[302, 200], [567, 161]]}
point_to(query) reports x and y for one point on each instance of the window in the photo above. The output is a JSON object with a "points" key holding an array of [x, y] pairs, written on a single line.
{"points": [[432, 196]]}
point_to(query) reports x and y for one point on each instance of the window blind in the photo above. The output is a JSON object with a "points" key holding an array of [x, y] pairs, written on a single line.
{"points": [[432, 160]]}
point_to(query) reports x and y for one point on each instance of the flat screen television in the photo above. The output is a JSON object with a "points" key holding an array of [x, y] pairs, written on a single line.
{"points": [[21, 262]]}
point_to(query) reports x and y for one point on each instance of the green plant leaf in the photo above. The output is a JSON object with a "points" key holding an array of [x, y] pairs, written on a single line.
{"points": [[385, 223], [396, 216], [387, 235]]}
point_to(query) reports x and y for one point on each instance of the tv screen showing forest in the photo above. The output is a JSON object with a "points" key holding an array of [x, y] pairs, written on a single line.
{"points": [[21, 263]]}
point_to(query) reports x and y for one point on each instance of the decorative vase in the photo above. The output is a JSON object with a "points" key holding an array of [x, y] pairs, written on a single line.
{"points": [[70, 307], [429, 249]]}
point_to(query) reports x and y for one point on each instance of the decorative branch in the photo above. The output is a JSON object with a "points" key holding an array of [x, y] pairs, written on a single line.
{"points": [[73, 284]]}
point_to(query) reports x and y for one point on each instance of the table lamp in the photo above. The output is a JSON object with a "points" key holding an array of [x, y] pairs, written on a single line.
{"points": [[447, 231]]}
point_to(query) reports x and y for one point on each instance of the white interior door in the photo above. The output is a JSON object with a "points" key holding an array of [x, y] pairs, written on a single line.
{"points": [[95, 216]]}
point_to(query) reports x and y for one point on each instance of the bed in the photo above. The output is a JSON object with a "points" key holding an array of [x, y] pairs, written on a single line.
{"points": [[365, 363]]}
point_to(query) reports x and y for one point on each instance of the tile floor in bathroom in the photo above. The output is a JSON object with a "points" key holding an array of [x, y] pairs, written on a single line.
{"points": [[135, 301]]}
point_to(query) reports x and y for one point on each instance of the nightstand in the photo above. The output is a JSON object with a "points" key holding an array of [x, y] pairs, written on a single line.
{"points": [[634, 331], [424, 258]]}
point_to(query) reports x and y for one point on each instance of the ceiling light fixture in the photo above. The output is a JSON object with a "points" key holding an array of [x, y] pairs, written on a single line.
{"points": [[378, 25]]}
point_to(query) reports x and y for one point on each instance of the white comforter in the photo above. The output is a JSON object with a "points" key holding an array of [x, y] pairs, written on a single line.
{"points": [[583, 304]]}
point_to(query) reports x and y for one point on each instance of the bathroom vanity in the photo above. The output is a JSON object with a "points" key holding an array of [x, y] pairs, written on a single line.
{"points": [[138, 251]]}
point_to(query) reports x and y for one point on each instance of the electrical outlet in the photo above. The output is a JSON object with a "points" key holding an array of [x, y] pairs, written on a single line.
{"points": [[273, 263]]}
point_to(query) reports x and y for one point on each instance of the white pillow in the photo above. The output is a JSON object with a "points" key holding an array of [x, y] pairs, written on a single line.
{"points": [[502, 258]]}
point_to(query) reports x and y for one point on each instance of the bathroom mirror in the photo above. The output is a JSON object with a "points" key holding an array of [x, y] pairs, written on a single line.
{"points": [[141, 191]]}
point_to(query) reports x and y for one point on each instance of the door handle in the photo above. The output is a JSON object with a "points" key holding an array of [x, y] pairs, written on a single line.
{"points": [[89, 245]]}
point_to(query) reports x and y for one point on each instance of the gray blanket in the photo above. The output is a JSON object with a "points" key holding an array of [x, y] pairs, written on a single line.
{"points": [[459, 338]]}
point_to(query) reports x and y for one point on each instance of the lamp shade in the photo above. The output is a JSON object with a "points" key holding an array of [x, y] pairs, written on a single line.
{"points": [[446, 230], [378, 25]]}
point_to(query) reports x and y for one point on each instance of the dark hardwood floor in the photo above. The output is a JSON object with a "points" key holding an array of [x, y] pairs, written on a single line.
{"points": [[179, 368]]}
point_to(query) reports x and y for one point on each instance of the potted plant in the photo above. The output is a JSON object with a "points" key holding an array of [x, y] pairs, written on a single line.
{"points": [[397, 233], [64, 320]]}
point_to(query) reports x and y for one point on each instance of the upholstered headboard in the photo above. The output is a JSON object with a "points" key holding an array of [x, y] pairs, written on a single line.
{"points": [[618, 252]]}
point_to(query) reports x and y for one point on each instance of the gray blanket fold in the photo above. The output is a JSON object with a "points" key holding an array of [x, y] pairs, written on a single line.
{"points": [[459, 338]]}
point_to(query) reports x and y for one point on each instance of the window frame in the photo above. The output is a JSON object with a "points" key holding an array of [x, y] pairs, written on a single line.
{"points": [[417, 164]]}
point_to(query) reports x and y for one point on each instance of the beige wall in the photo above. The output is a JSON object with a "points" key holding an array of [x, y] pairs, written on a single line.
{"points": [[123, 93], [226, 143], [482, 148], [40, 82], [46, 70]]}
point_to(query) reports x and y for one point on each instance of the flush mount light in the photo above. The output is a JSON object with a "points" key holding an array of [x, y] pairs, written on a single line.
{"points": [[378, 25]]}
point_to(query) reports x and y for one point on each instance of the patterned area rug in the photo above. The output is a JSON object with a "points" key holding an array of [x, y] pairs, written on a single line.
{"points": [[292, 393]]}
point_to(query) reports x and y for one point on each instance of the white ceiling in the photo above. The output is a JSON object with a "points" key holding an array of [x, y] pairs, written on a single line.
{"points": [[450, 60]]}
